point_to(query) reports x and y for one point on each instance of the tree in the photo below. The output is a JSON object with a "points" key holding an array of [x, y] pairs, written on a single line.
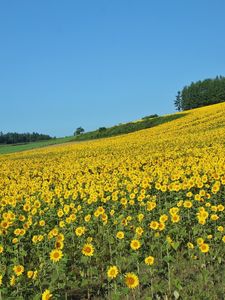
{"points": [[102, 129], [177, 101], [150, 117], [78, 131], [201, 93], [15, 138]]}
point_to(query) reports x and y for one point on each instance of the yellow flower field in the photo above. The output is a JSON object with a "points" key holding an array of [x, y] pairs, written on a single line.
{"points": [[138, 216]]}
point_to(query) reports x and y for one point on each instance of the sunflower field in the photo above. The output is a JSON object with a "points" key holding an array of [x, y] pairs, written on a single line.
{"points": [[139, 216]]}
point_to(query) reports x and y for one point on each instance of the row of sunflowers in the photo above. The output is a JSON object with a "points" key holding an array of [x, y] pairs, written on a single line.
{"points": [[139, 216]]}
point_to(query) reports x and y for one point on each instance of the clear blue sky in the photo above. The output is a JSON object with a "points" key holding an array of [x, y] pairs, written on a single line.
{"points": [[71, 63]]}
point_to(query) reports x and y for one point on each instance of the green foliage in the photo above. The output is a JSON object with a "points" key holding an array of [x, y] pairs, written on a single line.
{"points": [[78, 131], [177, 101], [128, 127], [102, 132], [150, 116], [5, 149], [14, 137], [101, 129], [202, 93]]}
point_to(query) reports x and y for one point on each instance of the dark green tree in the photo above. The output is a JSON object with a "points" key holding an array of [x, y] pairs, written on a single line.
{"points": [[79, 130], [15, 138], [102, 129], [177, 101], [202, 93]]}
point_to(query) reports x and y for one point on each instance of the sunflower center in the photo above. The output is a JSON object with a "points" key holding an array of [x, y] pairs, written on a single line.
{"points": [[56, 255], [130, 280]]}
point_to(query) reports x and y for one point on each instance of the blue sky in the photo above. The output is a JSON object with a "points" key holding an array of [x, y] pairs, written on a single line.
{"points": [[71, 63]]}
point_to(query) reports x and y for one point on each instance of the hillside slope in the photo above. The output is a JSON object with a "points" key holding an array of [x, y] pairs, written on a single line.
{"points": [[135, 215], [147, 122]]}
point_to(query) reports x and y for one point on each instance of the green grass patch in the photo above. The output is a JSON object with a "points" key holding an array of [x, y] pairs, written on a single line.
{"points": [[6, 149], [144, 123], [128, 127]]}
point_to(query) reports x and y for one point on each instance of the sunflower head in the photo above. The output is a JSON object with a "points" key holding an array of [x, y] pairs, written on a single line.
{"points": [[19, 269], [88, 250], [135, 244], [112, 272], [56, 255], [149, 260], [131, 280], [204, 248], [46, 295]]}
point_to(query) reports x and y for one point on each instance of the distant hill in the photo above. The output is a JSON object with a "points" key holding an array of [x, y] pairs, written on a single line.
{"points": [[144, 123], [102, 132]]}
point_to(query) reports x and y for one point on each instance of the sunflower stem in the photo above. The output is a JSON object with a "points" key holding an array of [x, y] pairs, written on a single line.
{"points": [[152, 294], [169, 274]]}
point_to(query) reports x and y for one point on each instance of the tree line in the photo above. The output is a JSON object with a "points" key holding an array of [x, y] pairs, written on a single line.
{"points": [[15, 138], [201, 93]]}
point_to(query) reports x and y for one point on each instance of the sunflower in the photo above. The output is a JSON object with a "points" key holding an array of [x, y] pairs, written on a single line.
{"points": [[112, 272], [30, 274], [140, 217], [12, 280], [17, 231], [175, 218], [19, 269], [46, 295], [120, 235], [87, 218], [163, 218], [131, 280], [88, 250], [135, 244], [79, 231], [56, 255], [59, 245], [214, 217], [15, 240], [0, 279], [4, 224], [149, 260], [154, 225], [60, 237], [220, 228], [220, 207], [190, 245], [200, 241], [187, 204], [161, 226], [42, 223], [139, 231], [204, 248], [35, 274]]}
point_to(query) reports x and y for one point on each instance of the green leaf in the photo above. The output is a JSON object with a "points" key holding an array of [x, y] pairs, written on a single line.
{"points": [[84, 259], [84, 283], [37, 297], [175, 245], [168, 259], [176, 295]]}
